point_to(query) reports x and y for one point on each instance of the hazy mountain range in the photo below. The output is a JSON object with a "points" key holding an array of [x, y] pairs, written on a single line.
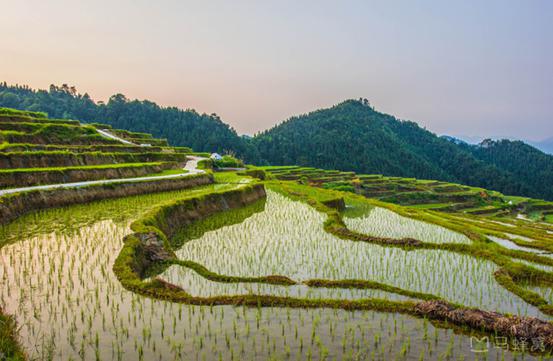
{"points": [[545, 145]]}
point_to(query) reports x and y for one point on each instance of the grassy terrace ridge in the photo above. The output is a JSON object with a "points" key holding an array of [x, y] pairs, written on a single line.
{"points": [[52, 133], [106, 148], [130, 265], [17, 203], [24, 113], [43, 159], [30, 127], [83, 167], [430, 194], [18, 177], [36, 150]]}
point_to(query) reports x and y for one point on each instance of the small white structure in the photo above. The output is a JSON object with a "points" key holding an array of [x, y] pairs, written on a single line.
{"points": [[145, 145], [216, 156]]}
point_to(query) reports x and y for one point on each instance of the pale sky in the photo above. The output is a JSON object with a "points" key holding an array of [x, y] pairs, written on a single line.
{"points": [[456, 67]]}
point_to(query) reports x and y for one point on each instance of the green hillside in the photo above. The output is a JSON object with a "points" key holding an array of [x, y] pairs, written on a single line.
{"points": [[202, 132], [37, 150], [350, 136], [528, 164], [353, 136], [419, 193], [138, 261]]}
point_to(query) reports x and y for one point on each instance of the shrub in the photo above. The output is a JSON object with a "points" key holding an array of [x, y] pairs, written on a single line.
{"points": [[228, 162]]}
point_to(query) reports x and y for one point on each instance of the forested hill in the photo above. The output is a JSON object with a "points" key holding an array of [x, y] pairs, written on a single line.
{"points": [[530, 165], [349, 136], [353, 136], [201, 132]]}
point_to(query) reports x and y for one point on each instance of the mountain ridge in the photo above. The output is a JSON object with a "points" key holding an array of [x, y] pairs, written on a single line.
{"points": [[351, 135]]}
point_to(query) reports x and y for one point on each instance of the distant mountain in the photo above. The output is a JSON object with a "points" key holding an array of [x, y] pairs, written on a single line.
{"points": [[201, 132], [353, 136], [453, 139], [531, 166], [545, 146]]}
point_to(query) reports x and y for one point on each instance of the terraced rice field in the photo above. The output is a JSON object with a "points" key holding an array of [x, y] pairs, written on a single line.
{"points": [[382, 222], [197, 274], [418, 193], [288, 239], [57, 281]]}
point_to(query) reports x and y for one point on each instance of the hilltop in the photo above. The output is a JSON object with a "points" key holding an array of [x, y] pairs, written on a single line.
{"points": [[545, 146], [353, 136]]}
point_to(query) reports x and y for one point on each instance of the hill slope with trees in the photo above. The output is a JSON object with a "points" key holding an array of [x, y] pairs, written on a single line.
{"points": [[202, 132], [353, 136], [530, 165], [350, 136]]}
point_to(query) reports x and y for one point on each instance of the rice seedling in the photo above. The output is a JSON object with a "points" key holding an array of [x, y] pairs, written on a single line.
{"points": [[288, 239], [382, 222], [57, 280]]}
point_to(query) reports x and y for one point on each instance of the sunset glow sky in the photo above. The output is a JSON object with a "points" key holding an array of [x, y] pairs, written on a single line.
{"points": [[456, 67]]}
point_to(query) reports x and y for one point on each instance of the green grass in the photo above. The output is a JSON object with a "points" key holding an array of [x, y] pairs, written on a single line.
{"points": [[158, 221], [429, 205], [70, 158], [18, 177], [24, 113], [228, 161], [116, 148], [50, 133], [126, 134], [165, 172], [9, 346], [423, 194], [82, 167]]}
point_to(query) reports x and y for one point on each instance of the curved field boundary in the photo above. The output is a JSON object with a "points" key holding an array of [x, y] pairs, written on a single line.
{"points": [[150, 247], [315, 283], [57, 158], [511, 275], [21, 202], [37, 176]]}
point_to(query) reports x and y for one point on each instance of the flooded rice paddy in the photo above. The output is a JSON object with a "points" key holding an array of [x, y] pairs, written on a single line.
{"points": [[382, 222], [288, 239], [57, 281]]}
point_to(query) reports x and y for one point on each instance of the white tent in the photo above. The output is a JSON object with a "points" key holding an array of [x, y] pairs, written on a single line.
{"points": [[216, 156]]}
